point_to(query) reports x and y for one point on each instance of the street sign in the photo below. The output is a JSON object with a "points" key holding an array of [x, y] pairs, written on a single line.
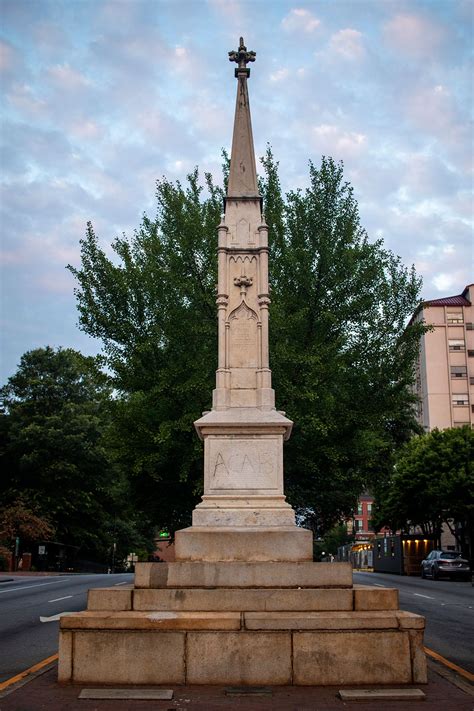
{"points": [[41, 550]]}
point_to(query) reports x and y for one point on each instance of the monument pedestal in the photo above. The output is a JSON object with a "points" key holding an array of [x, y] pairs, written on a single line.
{"points": [[247, 623]]}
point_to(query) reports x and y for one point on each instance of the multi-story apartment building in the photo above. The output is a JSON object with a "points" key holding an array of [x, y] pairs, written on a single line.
{"points": [[445, 374]]}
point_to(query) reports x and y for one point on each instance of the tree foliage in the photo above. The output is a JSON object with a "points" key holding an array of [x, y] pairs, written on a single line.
{"points": [[432, 484], [56, 458], [342, 358], [18, 520]]}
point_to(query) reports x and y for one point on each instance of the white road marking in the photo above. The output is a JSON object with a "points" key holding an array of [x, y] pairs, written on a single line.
{"points": [[379, 585], [427, 596], [55, 618], [124, 583], [36, 585], [57, 599]]}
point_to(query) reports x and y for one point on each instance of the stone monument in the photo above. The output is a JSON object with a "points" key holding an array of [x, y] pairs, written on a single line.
{"points": [[243, 603]]}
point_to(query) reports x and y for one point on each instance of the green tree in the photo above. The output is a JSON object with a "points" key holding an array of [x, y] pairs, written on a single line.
{"points": [[342, 357], [55, 459], [432, 485]]}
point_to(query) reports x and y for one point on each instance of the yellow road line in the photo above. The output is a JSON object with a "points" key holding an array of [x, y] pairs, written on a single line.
{"points": [[14, 679], [459, 670]]}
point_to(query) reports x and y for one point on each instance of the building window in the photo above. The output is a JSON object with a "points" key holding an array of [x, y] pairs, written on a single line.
{"points": [[458, 399], [369, 509], [454, 317], [469, 326], [457, 345], [359, 525], [471, 380], [470, 353], [359, 509], [458, 371]]}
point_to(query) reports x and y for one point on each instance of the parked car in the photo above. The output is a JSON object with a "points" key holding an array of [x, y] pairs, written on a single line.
{"points": [[445, 564]]}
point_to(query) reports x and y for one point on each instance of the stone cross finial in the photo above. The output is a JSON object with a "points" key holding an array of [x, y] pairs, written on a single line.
{"points": [[242, 57]]}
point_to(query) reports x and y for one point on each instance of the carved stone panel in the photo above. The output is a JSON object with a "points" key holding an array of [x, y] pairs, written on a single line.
{"points": [[243, 350], [243, 463]]}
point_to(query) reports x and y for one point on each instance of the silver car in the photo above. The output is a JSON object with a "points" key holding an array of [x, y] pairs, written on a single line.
{"points": [[445, 564]]}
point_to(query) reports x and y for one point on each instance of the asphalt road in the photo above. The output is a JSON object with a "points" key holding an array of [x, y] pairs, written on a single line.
{"points": [[24, 639], [448, 607]]}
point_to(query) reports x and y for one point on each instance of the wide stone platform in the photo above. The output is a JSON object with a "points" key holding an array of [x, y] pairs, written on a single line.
{"points": [[242, 623]]}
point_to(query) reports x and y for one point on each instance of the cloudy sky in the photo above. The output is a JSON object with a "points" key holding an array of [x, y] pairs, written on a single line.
{"points": [[102, 97]]}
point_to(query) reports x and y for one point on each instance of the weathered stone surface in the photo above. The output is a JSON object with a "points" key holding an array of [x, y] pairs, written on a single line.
{"points": [[251, 543], [239, 658], [109, 599], [243, 599], [65, 656], [381, 695], [151, 575], [370, 598], [248, 575], [333, 620], [356, 657], [238, 517], [126, 657], [418, 657], [126, 694], [409, 620], [161, 620]]}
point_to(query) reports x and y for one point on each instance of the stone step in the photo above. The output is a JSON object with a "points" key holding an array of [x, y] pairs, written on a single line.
{"points": [[152, 620], [167, 620], [243, 599], [303, 574], [334, 620], [249, 543]]}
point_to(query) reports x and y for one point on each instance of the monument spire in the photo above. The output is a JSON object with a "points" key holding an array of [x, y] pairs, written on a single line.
{"points": [[243, 514], [243, 174]]}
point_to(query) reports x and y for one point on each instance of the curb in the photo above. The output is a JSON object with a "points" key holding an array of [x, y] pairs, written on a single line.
{"points": [[16, 682]]}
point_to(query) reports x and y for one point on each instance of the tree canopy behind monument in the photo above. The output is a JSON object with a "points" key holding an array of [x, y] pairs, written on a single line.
{"points": [[341, 356]]}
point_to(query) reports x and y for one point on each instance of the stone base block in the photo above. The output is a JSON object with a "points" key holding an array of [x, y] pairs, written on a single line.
{"points": [[122, 657], [109, 599], [371, 598], [243, 575], [252, 543], [357, 657], [153, 620], [243, 600], [239, 517], [333, 620], [241, 657]]}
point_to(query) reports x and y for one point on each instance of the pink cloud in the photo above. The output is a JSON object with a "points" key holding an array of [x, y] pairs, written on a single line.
{"points": [[22, 97], [333, 140], [300, 20], [348, 43], [66, 77], [412, 34], [7, 56]]}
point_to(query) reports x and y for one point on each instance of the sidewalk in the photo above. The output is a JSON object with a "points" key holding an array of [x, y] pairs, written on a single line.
{"points": [[43, 694]]}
